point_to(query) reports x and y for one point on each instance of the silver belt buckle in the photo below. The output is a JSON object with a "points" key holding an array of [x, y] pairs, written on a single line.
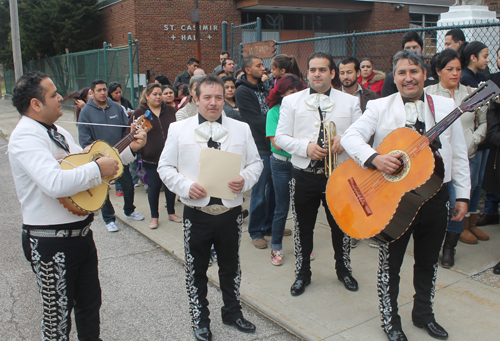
{"points": [[214, 209]]}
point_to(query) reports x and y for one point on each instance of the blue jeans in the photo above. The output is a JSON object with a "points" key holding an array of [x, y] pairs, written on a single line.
{"points": [[476, 190], [262, 203], [282, 174], [108, 212], [491, 203], [453, 226]]}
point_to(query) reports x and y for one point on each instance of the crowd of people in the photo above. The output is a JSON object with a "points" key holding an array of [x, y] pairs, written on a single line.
{"points": [[276, 120]]}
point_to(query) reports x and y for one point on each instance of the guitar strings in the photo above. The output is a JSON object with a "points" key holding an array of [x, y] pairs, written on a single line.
{"points": [[95, 124], [74, 166], [373, 183]]}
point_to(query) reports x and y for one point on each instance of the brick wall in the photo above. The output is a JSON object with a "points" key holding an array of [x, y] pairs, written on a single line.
{"points": [[158, 50]]}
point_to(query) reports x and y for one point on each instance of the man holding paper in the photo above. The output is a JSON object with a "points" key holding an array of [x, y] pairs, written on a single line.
{"points": [[212, 213]]}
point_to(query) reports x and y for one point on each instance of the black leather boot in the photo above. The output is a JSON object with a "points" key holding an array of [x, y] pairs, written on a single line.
{"points": [[449, 245]]}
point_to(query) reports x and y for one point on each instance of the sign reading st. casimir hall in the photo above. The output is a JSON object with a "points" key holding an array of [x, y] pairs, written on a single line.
{"points": [[187, 32]]}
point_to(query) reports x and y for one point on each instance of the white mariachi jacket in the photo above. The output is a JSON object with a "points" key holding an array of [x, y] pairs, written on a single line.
{"points": [[298, 125], [179, 165]]}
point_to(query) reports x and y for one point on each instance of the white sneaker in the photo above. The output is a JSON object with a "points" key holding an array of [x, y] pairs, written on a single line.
{"points": [[135, 215], [112, 227]]}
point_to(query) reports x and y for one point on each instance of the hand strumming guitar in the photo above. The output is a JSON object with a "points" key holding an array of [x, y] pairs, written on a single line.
{"points": [[140, 139], [387, 163], [108, 166]]}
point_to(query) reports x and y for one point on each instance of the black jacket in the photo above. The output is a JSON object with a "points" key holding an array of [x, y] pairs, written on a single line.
{"points": [[491, 180], [183, 78], [251, 100]]}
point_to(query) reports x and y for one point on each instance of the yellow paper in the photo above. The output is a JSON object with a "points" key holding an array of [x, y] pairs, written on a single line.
{"points": [[217, 169]]}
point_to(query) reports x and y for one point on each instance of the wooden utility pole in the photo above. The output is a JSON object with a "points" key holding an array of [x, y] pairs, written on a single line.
{"points": [[195, 18], [16, 39]]}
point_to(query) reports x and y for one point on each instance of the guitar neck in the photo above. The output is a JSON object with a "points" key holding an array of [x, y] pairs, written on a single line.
{"points": [[126, 141], [439, 128]]}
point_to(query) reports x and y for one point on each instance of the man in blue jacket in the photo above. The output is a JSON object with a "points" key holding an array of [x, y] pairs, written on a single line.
{"points": [[105, 111]]}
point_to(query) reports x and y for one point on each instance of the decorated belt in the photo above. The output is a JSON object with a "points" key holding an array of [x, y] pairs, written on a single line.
{"points": [[311, 170], [212, 209], [47, 233]]}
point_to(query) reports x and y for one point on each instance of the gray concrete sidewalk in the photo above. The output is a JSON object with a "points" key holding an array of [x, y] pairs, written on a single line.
{"points": [[467, 301]]}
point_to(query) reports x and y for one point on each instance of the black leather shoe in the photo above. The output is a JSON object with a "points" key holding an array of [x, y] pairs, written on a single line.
{"points": [[496, 269], [245, 213], [397, 335], [203, 334], [349, 282], [434, 330], [299, 286], [242, 325]]}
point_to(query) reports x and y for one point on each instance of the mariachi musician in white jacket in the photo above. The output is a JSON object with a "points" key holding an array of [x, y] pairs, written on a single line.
{"points": [[300, 133], [209, 220], [413, 108]]}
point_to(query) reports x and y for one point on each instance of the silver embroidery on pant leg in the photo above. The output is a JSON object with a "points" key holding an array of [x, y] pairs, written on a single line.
{"points": [[192, 290], [237, 279], [433, 288], [51, 280], [296, 232], [346, 252], [385, 306]]}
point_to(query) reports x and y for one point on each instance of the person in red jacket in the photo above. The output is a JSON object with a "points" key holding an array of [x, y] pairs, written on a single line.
{"points": [[369, 78]]}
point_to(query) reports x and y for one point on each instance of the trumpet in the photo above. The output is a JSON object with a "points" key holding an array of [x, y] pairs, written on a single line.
{"points": [[331, 161]]}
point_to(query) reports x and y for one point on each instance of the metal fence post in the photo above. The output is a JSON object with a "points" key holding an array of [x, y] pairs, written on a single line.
{"points": [[232, 47], [137, 61], [105, 46], [131, 69], [224, 36], [259, 29], [354, 44], [240, 53]]}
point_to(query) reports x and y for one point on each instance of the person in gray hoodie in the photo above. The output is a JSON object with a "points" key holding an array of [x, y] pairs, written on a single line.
{"points": [[104, 110]]}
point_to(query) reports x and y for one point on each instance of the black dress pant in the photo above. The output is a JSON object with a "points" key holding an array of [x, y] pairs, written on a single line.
{"points": [[67, 277], [201, 230], [307, 191], [428, 231]]}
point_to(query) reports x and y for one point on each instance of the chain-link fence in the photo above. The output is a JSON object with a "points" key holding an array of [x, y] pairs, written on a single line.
{"points": [[380, 46], [75, 71], [247, 33]]}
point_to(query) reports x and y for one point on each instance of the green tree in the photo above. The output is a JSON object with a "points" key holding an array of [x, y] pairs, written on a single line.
{"points": [[49, 27]]}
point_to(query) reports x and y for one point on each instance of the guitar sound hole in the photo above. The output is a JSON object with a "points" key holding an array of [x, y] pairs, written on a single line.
{"points": [[400, 169], [97, 156]]}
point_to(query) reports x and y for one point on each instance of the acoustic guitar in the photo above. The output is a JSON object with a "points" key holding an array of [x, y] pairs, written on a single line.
{"points": [[93, 199], [367, 203]]}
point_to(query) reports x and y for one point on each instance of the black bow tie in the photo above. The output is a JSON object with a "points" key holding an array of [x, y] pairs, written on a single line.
{"points": [[58, 138]]}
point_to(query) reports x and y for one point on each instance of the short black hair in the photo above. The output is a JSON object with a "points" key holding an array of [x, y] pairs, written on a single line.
{"points": [[440, 60], [247, 62], [349, 60], [193, 60], [209, 80], [324, 55], [225, 52], [184, 89], [225, 61], [228, 79], [456, 34], [218, 72], [28, 87], [168, 86], [96, 82], [412, 36], [163, 80]]}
